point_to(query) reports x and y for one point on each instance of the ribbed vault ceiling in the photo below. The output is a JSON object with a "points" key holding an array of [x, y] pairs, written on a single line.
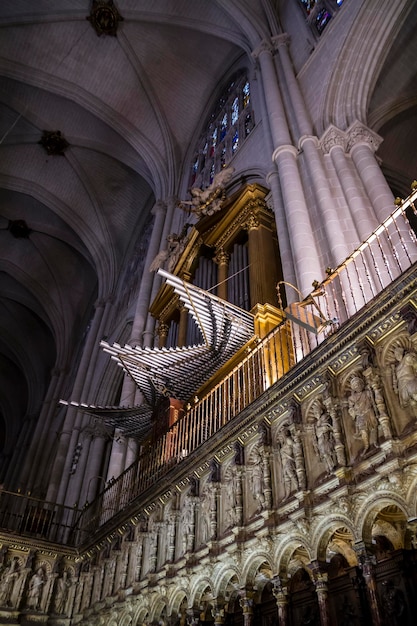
{"points": [[128, 106]]}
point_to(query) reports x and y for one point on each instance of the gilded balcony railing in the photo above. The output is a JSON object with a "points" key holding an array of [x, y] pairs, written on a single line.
{"points": [[388, 252]]}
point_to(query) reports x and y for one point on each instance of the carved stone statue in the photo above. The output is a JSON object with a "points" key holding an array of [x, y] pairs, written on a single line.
{"points": [[36, 584], [208, 201], [287, 456], [187, 524], [233, 500], [7, 582], [362, 409], [205, 512], [171, 254], [324, 440], [257, 477], [405, 377], [63, 584]]}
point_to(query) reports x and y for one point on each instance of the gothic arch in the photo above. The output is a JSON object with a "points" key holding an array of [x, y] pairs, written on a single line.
{"points": [[365, 60]]}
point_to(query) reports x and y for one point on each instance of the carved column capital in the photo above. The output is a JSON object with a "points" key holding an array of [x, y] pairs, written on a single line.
{"points": [[265, 46], [358, 133], [221, 257], [159, 207], [333, 137], [252, 222], [282, 39]]}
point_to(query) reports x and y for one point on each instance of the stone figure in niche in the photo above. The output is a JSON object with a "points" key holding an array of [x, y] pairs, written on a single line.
{"points": [[36, 584], [362, 409], [206, 504], [187, 523], [257, 477], [394, 604], [323, 440], [233, 500], [7, 582], [288, 466], [171, 254], [170, 537], [63, 584], [405, 377]]}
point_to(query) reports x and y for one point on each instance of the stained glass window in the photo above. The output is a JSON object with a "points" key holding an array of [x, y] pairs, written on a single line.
{"points": [[235, 110], [246, 94], [320, 12], [223, 127], [229, 123], [235, 141]]}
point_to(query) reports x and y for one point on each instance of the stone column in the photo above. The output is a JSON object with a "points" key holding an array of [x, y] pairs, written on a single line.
{"points": [[322, 590], [302, 117], [93, 483], [280, 591], [304, 252], [285, 251], [309, 145], [39, 450], [367, 565], [120, 450], [246, 603], [222, 259], [68, 437], [363, 143], [141, 313], [337, 248], [148, 333], [334, 143]]}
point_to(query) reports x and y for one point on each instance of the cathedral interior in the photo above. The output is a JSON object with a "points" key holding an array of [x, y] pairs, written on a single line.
{"points": [[208, 312]]}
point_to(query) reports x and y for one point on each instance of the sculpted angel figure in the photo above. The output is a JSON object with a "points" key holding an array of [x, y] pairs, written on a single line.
{"points": [[208, 201]]}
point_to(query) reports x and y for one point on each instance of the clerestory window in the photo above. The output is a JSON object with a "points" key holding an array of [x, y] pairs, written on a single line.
{"points": [[229, 124], [320, 12]]}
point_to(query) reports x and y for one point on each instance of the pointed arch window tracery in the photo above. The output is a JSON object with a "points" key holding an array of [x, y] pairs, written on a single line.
{"points": [[231, 120]]}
